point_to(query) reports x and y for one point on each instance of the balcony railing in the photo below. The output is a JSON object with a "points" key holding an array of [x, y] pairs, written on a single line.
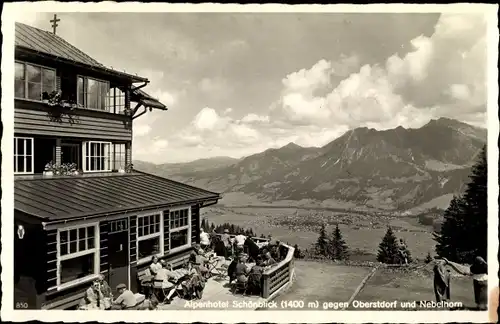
{"points": [[278, 277]]}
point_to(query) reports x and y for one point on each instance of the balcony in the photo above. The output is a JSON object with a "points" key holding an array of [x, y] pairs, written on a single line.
{"points": [[36, 83]]}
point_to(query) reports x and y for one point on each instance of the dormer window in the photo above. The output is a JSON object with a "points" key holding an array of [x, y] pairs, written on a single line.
{"points": [[32, 80]]}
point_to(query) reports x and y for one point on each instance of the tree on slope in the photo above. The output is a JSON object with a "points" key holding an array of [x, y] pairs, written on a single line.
{"points": [[337, 246], [322, 245], [463, 234], [388, 249]]}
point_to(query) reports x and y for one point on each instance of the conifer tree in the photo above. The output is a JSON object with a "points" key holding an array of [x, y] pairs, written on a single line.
{"points": [[322, 245], [388, 249], [463, 234], [338, 249]]}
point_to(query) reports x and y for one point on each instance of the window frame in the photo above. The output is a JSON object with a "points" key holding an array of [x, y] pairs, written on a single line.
{"points": [[114, 108], [85, 93], [178, 229], [159, 234], [25, 155], [115, 155], [69, 256], [86, 168], [24, 63]]}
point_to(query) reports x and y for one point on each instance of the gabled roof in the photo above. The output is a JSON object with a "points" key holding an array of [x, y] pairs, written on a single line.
{"points": [[73, 197], [44, 42], [47, 42]]}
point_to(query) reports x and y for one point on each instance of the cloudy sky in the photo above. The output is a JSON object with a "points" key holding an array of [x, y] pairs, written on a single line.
{"points": [[236, 84]]}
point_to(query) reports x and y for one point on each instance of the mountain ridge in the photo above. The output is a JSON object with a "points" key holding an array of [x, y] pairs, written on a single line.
{"points": [[396, 168]]}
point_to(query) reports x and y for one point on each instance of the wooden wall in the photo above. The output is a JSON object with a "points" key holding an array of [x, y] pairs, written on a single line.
{"points": [[39, 119], [41, 265], [31, 265]]}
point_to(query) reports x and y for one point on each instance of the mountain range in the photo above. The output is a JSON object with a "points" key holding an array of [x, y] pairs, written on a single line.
{"points": [[392, 169]]}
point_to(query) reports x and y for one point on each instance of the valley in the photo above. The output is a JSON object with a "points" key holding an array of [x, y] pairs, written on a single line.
{"points": [[362, 231], [364, 181]]}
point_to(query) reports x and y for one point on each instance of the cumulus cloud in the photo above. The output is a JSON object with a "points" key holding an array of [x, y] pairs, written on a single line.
{"points": [[440, 75], [208, 119], [165, 97], [308, 80]]}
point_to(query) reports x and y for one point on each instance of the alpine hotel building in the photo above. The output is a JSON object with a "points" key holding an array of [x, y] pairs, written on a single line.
{"points": [[80, 208]]}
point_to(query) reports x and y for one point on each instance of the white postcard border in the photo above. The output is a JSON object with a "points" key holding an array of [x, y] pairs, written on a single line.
{"points": [[8, 313]]}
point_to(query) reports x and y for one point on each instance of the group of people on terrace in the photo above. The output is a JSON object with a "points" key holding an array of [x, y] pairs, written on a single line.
{"points": [[240, 258], [248, 259]]}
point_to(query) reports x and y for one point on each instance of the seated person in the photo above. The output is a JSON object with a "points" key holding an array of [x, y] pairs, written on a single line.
{"points": [[186, 270], [104, 287], [164, 275], [179, 278], [125, 300], [193, 287], [155, 265], [93, 299], [255, 278], [268, 260], [200, 262], [231, 270], [241, 270], [274, 249]]}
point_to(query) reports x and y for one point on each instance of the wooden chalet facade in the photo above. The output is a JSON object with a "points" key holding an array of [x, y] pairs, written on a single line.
{"points": [[80, 210]]}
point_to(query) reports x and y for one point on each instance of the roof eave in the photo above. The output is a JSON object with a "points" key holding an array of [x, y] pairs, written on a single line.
{"points": [[156, 105], [102, 69], [93, 215]]}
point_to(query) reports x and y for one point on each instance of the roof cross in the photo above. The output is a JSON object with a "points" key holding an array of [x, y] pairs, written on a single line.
{"points": [[54, 24]]}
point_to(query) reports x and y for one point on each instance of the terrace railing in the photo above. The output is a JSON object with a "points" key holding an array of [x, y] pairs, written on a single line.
{"points": [[279, 276]]}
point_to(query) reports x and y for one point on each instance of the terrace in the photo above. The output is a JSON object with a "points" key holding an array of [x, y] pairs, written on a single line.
{"points": [[218, 292]]}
